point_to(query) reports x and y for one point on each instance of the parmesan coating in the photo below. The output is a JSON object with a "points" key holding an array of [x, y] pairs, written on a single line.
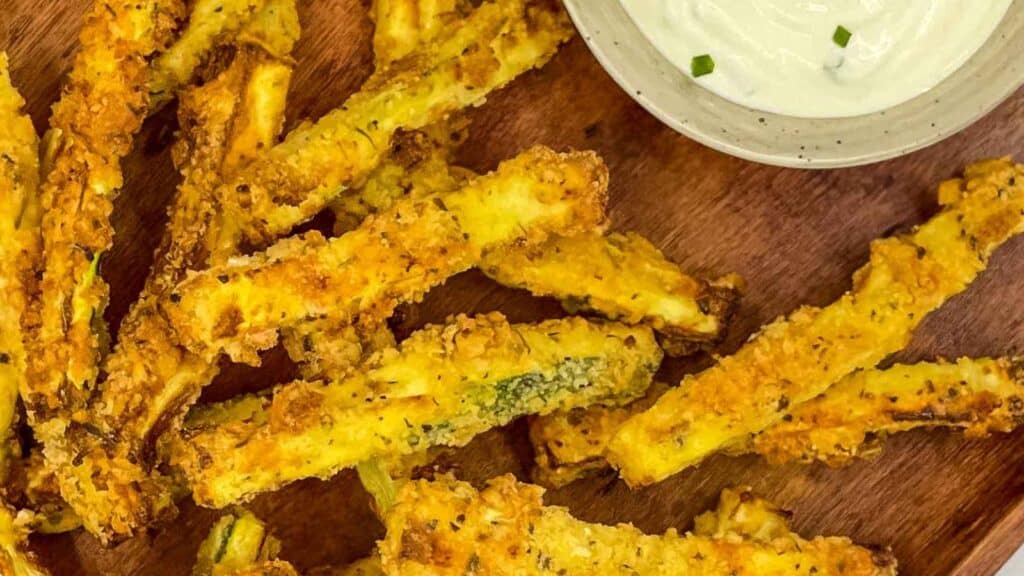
{"points": [[447, 528], [441, 387], [20, 215], [798, 357], [392, 258]]}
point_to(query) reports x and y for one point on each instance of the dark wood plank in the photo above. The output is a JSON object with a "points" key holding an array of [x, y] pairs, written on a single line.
{"points": [[945, 504]]}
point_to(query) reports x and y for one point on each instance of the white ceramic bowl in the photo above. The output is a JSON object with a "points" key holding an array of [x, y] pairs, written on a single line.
{"points": [[988, 78]]}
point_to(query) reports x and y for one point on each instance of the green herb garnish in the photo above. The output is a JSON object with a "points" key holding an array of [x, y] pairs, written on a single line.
{"points": [[702, 65], [842, 36]]}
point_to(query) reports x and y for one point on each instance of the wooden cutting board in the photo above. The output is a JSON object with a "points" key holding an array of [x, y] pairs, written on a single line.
{"points": [[946, 505]]}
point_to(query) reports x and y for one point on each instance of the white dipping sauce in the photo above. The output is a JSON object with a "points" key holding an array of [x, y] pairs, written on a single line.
{"points": [[780, 56]]}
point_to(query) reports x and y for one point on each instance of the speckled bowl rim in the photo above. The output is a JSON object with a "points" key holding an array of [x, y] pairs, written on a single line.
{"points": [[672, 96]]}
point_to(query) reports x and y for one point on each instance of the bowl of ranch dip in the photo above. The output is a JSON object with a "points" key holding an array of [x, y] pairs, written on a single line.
{"points": [[810, 83]]}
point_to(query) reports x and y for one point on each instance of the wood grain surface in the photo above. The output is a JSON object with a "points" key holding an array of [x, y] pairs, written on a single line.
{"points": [[945, 504]]}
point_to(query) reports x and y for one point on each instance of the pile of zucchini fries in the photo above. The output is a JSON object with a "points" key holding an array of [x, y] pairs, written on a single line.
{"points": [[118, 435]]}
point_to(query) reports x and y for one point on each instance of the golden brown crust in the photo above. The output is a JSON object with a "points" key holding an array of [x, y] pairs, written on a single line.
{"points": [[151, 379], [742, 513], [494, 44], [209, 22], [571, 445], [404, 26], [850, 420], [483, 373], [19, 255], [853, 418], [101, 109], [795, 359], [623, 277], [448, 528], [392, 258]]}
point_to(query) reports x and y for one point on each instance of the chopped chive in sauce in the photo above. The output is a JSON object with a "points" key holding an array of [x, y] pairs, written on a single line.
{"points": [[702, 65], [842, 36]]}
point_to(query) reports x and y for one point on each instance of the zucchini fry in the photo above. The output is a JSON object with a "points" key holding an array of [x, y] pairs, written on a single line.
{"points": [[742, 513], [101, 109], [443, 386], [496, 43], [15, 559], [449, 528], [403, 26], [209, 21], [852, 419], [620, 276], [797, 358], [329, 350], [571, 445], [151, 379], [237, 542], [394, 257], [20, 215], [623, 277]]}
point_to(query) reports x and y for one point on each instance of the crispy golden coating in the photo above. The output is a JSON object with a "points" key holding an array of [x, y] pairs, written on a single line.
{"points": [[849, 420], [797, 358], [330, 349], [151, 379], [620, 276], [571, 445], [853, 418], [20, 214], [209, 22], [15, 559], [403, 26], [102, 107], [419, 165], [443, 386], [623, 277], [449, 528], [742, 513], [237, 542], [392, 258], [495, 43]]}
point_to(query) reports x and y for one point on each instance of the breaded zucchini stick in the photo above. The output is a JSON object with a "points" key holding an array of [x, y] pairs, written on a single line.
{"points": [[497, 42], [853, 418], [15, 559], [403, 26], [620, 276], [393, 257], [449, 528], [571, 445], [742, 513], [238, 541], [20, 215], [849, 420], [797, 358], [209, 22], [443, 386], [101, 109], [151, 379], [623, 277]]}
